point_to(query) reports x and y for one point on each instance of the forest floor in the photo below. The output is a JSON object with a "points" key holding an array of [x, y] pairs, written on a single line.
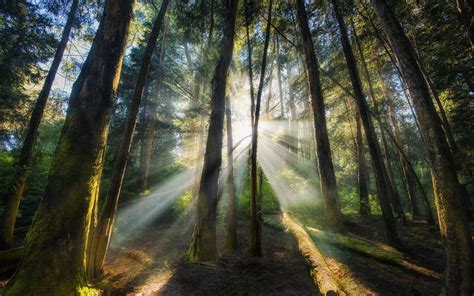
{"points": [[154, 264]]}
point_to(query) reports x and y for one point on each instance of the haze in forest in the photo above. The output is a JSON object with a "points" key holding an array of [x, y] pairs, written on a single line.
{"points": [[252, 147]]}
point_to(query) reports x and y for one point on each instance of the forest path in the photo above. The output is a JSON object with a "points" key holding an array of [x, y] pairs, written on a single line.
{"points": [[152, 264]]}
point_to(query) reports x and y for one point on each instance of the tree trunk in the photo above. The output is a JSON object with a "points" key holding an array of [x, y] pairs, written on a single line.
{"points": [[364, 206], [407, 178], [255, 206], [24, 161], [332, 207], [55, 252], [203, 245], [449, 196], [396, 200], [384, 190], [280, 88], [150, 119], [231, 237], [100, 237]]}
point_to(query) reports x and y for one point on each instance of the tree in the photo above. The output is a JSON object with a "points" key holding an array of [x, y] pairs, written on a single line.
{"points": [[231, 236], [55, 248], [13, 202], [384, 190], [255, 206], [332, 207], [454, 226], [100, 235], [203, 244], [150, 120], [364, 208]]}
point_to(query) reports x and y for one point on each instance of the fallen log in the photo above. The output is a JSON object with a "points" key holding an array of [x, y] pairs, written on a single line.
{"points": [[319, 269], [10, 256], [369, 250]]}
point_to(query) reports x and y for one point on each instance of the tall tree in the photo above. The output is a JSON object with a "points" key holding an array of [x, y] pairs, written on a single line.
{"points": [[364, 205], [255, 206], [280, 88], [100, 235], [24, 160], [203, 245], [332, 206], [55, 248], [150, 120], [454, 226], [384, 190], [231, 236]]}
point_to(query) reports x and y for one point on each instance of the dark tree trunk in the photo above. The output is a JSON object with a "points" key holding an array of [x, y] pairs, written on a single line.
{"points": [[55, 252], [449, 195], [150, 120], [332, 207], [100, 236], [384, 190], [231, 237], [24, 161], [255, 206], [203, 245]]}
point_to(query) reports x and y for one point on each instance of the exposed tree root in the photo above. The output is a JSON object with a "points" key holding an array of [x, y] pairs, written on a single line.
{"points": [[369, 250], [319, 269]]}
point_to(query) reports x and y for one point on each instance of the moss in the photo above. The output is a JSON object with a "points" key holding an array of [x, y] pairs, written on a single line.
{"points": [[356, 245]]}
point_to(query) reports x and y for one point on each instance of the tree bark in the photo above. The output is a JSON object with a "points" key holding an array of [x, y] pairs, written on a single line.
{"points": [[332, 207], [231, 237], [203, 245], [454, 226], [384, 190], [100, 236], [55, 252], [255, 206], [24, 161]]}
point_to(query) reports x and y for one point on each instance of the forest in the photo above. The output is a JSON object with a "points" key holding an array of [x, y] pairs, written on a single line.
{"points": [[236, 147]]}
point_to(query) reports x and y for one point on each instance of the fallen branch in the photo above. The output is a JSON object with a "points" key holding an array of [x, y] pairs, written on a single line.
{"points": [[369, 250], [10, 256], [319, 269]]}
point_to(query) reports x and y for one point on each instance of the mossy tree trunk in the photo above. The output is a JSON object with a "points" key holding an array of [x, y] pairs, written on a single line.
{"points": [[100, 236], [26, 153], [332, 206], [384, 190], [255, 206], [203, 245], [55, 247], [454, 226]]}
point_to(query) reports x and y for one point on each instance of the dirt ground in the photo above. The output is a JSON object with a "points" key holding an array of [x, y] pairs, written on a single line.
{"points": [[157, 267]]}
